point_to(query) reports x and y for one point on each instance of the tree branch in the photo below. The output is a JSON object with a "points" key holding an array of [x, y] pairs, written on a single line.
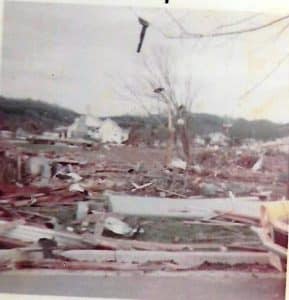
{"points": [[186, 35], [240, 21], [284, 28], [260, 82]]}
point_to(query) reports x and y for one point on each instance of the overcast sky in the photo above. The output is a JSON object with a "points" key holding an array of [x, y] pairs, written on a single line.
{"points": [[77, 56]]}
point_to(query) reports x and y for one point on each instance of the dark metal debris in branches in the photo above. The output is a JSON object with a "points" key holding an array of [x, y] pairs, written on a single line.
{"points": [[145, 25]]}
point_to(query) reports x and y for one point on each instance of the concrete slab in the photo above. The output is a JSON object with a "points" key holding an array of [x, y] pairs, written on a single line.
{"points": [[183, 208]]}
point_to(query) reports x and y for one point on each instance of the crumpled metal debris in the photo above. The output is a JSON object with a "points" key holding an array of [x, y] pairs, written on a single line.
{"points": [[119, 227], [145, 25], [47, 245]]}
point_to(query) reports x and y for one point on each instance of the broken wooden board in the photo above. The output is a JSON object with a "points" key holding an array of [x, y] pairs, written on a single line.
{"points": [[269, 244], [8, 243], [182, 208], [240, 218], [29, 233]]}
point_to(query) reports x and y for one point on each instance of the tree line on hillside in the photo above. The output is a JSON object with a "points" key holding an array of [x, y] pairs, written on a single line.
{"points": [[204, 124], [35, 115], [32, 115]]}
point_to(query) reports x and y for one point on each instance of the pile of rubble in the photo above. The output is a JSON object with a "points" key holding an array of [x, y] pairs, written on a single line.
{"points": [[53, 203]]}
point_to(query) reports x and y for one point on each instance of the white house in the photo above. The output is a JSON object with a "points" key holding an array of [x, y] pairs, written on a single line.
{"points": [[110, 132], [84, 126], [106, 131]]}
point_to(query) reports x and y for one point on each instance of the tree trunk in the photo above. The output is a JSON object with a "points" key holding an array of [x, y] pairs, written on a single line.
{"points": [[171, 140]]}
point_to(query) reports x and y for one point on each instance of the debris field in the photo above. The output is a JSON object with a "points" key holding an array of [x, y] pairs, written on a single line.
{"points": [[60, 198]]}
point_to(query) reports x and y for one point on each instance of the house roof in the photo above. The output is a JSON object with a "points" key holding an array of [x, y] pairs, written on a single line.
{"points": [[91, 121]]}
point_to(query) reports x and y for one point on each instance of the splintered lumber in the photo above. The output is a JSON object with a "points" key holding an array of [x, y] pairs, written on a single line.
{"points": [[33, 234], [111, 170], [6, 242], [245, 247], [65, 161], [24, 203], [239, 218], [171, 193], [74, 265], [140, 187], [214, 223], [34, 215], [8, 226], [24, 198], [99, 266], [269, 244]]}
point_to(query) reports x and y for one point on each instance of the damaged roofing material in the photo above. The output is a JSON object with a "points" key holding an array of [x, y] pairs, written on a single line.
{"points": [[145, 25]]}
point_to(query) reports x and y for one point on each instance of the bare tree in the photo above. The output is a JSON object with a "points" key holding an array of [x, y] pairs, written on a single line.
{"points": [[164, 85]]}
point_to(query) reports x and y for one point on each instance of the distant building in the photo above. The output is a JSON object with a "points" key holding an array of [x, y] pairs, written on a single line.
{"points": [[111, 132], [83, 127], [61, 131], [106, 131]]}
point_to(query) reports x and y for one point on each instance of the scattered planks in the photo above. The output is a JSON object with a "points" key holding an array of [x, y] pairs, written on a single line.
{"points": [[65, 161], [72, 265], [33, 234], [50, 197], [243, 219], [100, 266], [171, 193], [278, 254], [269, 244], [246, 247], [9, 243]]}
